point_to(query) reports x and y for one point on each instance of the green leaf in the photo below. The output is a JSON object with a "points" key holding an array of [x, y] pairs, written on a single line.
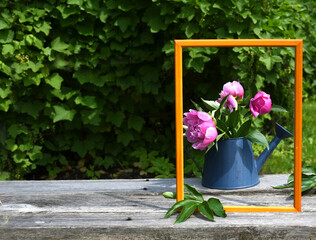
{"points": [[62, 114], [123, 22], [54, 80], [277, 108], [153, 19], [91, 117], [197, 64], [194, 192], [6, 36], [216, 207], [125, 138], [233, 120], [86, 27], [309, 169], [177, 206], [136, 123], [244, 129], [173, 195], [187, 210], [58, 45], [43, 27], [257, 137], [219, 110], [267, 61], [197, 106], [4, 175], [115, 117], [211, 105], [68, 10], [5, 92], [7, 48], [32, 108], [4, 24], [191, 29], [75, 2], [205, 209], [88, 101]]}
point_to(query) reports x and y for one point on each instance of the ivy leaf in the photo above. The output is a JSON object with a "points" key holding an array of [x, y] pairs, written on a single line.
{"points": [[62, 114], [42, 27], [88, 101], [6, 36], [136, 123], [7, 48], [3, 24], [58, 45], [267, 61], [115, 117], [54, 80], [86, 27], [125, 138], [154, 20], [191, 29], [123, 22], [257, 137]]}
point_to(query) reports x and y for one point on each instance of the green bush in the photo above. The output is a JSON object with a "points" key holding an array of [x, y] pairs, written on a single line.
{"points": [[93, 80]]}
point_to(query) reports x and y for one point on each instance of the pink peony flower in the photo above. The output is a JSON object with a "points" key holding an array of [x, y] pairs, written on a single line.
{"points": [[234, 90], [260, 104], [201, 129]]}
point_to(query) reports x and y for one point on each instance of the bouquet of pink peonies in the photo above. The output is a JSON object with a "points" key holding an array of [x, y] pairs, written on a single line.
{"points": [[227, 117]]}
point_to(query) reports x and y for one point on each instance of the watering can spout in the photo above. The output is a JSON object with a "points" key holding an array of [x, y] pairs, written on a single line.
{"points": [[281, 133]]}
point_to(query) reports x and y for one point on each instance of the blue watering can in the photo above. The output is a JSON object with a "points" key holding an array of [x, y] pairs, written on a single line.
{"points": [[233, 166]]}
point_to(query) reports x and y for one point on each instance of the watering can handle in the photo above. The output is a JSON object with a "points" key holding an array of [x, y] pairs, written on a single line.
{"points": [[196, 164]]}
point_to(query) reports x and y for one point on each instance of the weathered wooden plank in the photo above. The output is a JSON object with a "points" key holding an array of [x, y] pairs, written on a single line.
{"points": [[134, 209]]}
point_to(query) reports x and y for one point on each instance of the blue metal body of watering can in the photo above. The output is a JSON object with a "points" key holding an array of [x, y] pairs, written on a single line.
{"points": [[233, 166]]}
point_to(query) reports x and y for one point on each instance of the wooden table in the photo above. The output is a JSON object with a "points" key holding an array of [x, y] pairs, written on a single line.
{"points": [[134, 209]]}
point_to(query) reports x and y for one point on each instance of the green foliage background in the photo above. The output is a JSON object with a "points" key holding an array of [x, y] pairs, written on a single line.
{"points": [[93, 80]]}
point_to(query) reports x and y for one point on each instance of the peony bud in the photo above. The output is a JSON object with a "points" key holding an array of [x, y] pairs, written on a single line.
{"points": [[260, 104]]}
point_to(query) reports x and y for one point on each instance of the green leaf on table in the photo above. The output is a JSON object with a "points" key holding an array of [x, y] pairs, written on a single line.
{"points": [[187, 210], [62, 114], [257, 137], [194, 192], [205, 209], [173, 195], [177, 206], [216, 207]]}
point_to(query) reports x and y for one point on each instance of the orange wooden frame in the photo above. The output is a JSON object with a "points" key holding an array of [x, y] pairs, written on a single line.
{"points": [[298, 45]]}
